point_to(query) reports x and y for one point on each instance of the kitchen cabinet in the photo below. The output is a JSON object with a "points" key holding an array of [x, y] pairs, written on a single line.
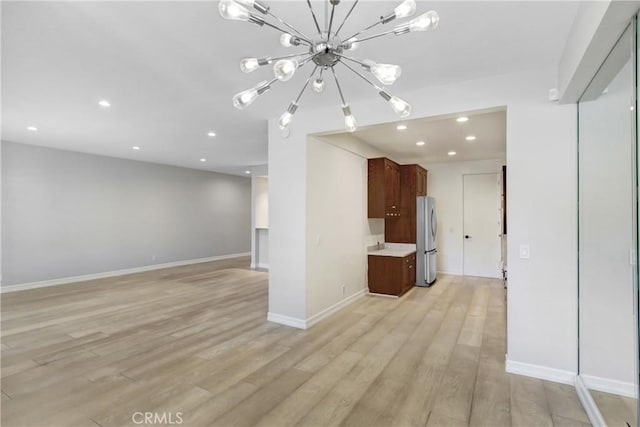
{"points": [[413, 183], [383, 188], [391, 275]]}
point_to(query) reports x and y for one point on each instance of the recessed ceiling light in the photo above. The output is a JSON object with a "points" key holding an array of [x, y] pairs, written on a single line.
{"points": [[135, 147], [462, 119], [247, 171], [420, 143], [203, 160], [451, 153], [401, 127], [211, 134], [32, 128], [104, 103], [470, 138]]}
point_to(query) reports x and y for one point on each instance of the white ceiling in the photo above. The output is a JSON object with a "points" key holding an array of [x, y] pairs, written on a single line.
{"points": [[441, 135], [170, 69]]}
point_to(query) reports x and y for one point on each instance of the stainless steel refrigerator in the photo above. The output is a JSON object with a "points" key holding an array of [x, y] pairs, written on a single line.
{"points": [[426, 228]]}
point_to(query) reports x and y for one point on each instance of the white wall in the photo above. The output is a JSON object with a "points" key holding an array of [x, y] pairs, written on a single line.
{"points": [[444, 183], [541, 147], [262, 248], [261, 207], [260, 222], [336, 217], [287, 233], [67, 214]]}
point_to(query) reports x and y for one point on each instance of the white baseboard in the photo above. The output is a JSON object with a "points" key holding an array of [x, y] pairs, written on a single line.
{"points": [[450, 273], [373, 294], [286, 320], [85, 277], [610, 386], [306, 324], [589, 405], [263, 265], [335, 307], [541, 372]]}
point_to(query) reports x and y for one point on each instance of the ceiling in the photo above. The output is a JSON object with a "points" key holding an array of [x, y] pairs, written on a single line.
{"points": [[441, 135], [169, 70]]}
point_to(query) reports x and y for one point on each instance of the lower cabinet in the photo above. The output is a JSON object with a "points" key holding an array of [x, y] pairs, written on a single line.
{"points": [[391, 275]]}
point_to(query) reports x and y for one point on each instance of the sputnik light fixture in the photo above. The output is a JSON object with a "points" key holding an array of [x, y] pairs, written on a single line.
{"points": [[325, 50]]}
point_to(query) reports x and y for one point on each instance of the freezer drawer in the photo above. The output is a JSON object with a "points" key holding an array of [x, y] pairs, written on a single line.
{"points": [[430, 267]]}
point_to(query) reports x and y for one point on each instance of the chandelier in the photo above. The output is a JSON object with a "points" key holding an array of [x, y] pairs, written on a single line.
{"points": [[325, 49]]}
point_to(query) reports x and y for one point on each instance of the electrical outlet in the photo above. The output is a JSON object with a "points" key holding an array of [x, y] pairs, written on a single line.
{"points": [[344, 289], [524, 252], [153, 258]]}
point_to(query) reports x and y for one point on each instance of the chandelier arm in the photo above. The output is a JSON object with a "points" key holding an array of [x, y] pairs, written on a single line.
{"points": [[315, 20], [362, 76], [346, 17], [277, 58], [357, 61], [333, 8], [338, 86], [304, 87], [386, 33], [365, 29], [275, 27], [282, 21], [306, 60]]}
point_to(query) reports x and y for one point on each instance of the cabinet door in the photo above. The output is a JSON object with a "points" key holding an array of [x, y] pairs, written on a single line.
{"points": [[421, 177], [376, 183], [392, 186], [386, 275]]}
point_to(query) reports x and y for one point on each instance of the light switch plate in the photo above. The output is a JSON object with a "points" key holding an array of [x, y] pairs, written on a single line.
{"points": [[524, 251]]}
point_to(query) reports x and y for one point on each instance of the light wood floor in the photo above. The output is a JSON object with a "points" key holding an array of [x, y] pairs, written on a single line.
{"points": [[616, 410], [195, 340]]}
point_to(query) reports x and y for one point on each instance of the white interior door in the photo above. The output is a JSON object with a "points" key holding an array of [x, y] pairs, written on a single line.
{"points": [[481, 225]]}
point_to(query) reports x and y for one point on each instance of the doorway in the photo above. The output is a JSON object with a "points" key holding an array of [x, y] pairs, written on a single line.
{"points": [[481, 225]]}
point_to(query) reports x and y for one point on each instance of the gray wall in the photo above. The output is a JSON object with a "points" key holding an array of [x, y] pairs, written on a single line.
{"points": [[67, 214]]}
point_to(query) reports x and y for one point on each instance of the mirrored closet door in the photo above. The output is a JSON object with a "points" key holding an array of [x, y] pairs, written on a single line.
{"points": [[607, 217]]}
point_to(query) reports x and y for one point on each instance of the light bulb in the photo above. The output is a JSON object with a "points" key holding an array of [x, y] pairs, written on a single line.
{"points": [[246, 97], [253, 4], [285, 120], [229, 9], [287, 117], [317, 85], [285, 40], [248, 65], [428, 21], [349, 121], [284, 69], [406, 8], [246, 3], [386, 73], [351, 44], [401, 107]]}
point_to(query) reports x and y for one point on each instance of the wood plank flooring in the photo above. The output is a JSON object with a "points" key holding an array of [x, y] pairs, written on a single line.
{"points": [[615, 409], [193, 341]]}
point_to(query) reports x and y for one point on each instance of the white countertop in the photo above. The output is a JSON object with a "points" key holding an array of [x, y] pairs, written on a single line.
{"points": [[395, 249]]}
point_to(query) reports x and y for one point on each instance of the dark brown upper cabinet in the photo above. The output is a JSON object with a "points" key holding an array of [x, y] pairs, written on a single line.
{"points": [[413, 183], [383, 188]]}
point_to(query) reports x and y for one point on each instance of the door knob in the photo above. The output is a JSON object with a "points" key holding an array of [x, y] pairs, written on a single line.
{"points": [[466, 236]]}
